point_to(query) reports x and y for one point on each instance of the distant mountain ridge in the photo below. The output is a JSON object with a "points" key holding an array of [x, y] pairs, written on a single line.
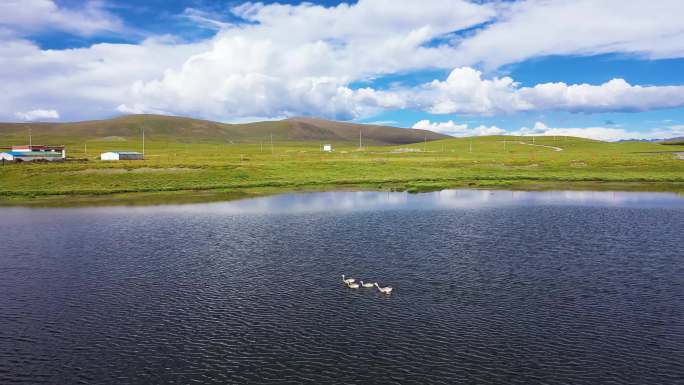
{"points": [[170, 127], [677, 140]]}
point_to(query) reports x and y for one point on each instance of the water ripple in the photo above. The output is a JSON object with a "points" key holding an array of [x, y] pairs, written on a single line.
{"points": [[510, 294]]}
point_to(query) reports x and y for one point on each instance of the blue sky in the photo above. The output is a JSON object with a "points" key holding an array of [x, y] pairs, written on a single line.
{"points": [[608, 70]]}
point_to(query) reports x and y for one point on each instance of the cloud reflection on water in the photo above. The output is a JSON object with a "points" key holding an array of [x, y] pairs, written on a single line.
{"points": [[355, 201], [350, 201]]}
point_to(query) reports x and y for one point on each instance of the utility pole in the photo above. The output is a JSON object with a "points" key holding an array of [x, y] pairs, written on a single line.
{"points": [[425, 143], [143, 138], [85, 149], [471, 145], [30, 143], [271, 143], [360, 145]]}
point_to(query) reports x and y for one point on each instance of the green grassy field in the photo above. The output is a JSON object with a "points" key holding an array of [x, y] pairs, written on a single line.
{"points": [[202, 171]]}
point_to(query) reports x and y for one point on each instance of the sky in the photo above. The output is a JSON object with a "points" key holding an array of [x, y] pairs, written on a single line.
{"points": [[601, 69]]}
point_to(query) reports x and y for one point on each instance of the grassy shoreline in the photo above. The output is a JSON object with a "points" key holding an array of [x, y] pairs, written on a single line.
{"points": [[203, 172]]}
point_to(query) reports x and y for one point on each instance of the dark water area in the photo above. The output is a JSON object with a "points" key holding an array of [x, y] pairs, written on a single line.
{"points": [[489, 287]]}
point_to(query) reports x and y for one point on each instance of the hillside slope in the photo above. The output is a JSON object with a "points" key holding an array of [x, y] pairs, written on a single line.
{"points": [[674, 141], [187, 129]]}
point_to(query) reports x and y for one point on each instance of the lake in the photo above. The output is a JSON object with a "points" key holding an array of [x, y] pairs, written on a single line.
{"points": [[493, 287]]}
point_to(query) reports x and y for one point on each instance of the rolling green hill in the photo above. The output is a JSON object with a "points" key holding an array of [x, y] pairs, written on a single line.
{"points": [[195, 130]]}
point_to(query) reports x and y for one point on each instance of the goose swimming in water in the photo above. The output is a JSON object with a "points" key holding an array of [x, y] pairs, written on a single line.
{"points": [[347, 280], [367, 284], [384, 290], [353, 285]]}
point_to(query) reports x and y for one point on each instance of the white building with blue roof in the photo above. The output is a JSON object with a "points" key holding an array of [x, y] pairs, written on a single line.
{"points": [[122, 155], [31, 153]]}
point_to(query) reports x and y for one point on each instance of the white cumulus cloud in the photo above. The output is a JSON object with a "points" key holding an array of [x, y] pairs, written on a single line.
{"points": [[454, 129], [305, 59], [614, 95], [600, 133], [37, 115], [82, 83], [540, 129], [24, 16], [533, 28], [301, 59], [466, 92]]}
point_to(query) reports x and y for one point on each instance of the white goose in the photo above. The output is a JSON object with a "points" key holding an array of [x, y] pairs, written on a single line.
{"points": [[366, 284], [347, 280], [384, 290], [353, 285]]}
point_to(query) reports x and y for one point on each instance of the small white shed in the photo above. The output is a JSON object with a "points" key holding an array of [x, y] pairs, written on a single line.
{"points": [[121, 155], [327, 147]]}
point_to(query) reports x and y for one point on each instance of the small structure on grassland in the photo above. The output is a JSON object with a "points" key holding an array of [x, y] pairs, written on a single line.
{"points": [[30, 153], [327, 148], [122, 155]]}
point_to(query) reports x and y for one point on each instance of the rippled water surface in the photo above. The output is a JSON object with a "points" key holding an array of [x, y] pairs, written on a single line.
{"points": [[490, 287]]}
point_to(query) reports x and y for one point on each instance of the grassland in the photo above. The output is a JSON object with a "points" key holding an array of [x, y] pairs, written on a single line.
{"points": [[203, 171]]}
